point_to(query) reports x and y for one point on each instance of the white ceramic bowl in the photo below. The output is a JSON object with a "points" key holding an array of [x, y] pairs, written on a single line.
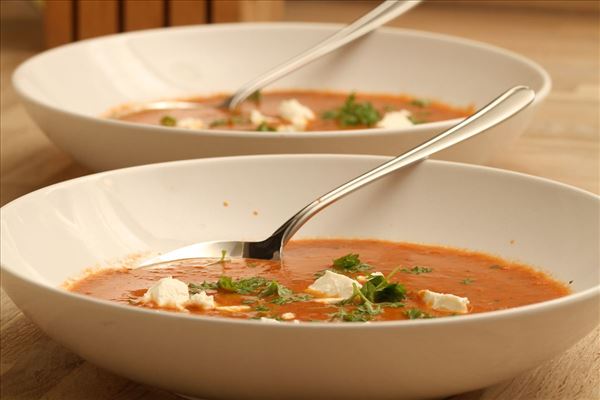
{"points": [[65, 90], [54, 233]]}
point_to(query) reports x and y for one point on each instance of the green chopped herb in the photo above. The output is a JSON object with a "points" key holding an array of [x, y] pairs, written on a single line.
{"points": [[168, 120], [294, 298], [223, 255], [416, 120], [248, 301], [237, 120], [255, 97], [352, 113], [275, 288], [218, 122], [417, 270], [420, 102], [261, 308], [264, 127], [388, 108], [243, 285], [194, 288], [350, 263], [362, 313], [378, 289], [320, 273], [467, 281], [414, 313]]}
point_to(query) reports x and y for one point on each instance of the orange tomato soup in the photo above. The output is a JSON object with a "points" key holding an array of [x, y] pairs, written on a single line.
{"points": [[332, 111], [268, 290]]}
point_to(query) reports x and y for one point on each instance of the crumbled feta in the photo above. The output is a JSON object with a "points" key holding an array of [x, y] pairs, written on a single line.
{"points": [[295, 112], [190, 123], [332, 284], [288, 315], [240, 308], [328, 300], [296, 321], [168, 292], [202, 300], [377, 273], [286, 128], [269, 320], [362, 278], [395, 119], [257, 118], [445, 302]]}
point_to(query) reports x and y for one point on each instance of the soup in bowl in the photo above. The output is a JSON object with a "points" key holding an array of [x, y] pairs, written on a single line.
{"points": [[68, 91], [532, 230]]}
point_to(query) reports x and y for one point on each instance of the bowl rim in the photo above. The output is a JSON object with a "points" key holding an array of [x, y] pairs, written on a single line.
{"points": [[520, 311], [17, 77]]}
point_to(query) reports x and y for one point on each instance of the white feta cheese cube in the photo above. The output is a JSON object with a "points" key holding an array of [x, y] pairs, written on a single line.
{"points": [[202, 300], [168, 292], [288, 315], [395, 120], [445, 302], [257, 118], [269, 320], [296, 113], [190, 123], [286, 128], [332, 284], [240, 308]]}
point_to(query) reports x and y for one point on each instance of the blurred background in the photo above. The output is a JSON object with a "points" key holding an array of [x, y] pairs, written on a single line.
{"points": [[562, 36]]}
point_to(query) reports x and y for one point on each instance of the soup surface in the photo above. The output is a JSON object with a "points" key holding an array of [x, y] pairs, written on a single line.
{"points": [[332, 280], [301, 110]]}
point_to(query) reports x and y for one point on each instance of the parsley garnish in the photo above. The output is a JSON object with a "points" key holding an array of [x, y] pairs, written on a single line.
{"points": [[168, 120], [275, 288], [194, 288], [243, 285], [467, 281], [375, 294], [416, 120], [350, 263], [293, 298], [255, 97], [420, 102], [218, 122], [414, 313], [256, 285], [352, 113], [362, 313], [261, 308], [283, 294], [264, 127], [378, 289], [417, 270]]}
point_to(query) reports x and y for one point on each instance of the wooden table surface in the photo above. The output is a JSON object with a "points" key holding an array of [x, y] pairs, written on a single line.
{"points": [[561, 144]]}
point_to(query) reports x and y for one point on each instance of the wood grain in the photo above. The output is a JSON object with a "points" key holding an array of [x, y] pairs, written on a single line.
{"points": [[143, 14], [562, 143], [97, 18], [187, 12], [58, 23], [243, 11]]}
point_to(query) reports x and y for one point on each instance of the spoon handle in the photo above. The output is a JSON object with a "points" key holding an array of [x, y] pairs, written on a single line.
{"points": [[380, 15], [505, 106]]}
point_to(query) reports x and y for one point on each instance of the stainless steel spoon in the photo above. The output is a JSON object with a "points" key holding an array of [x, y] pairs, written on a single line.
{"points": [[385, 12], [272, 248]]}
